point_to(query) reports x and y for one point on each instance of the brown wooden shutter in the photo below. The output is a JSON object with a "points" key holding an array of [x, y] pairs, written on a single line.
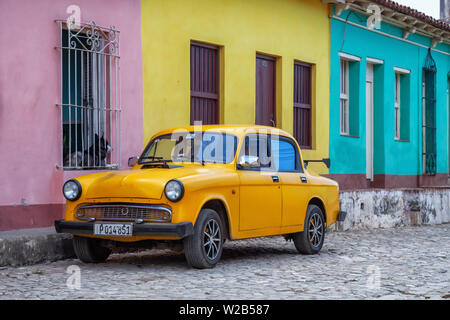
{"points": [[265, 105], [302, 104], [204, 83]]}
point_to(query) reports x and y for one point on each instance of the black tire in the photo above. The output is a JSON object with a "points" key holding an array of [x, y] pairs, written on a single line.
{"points": [[200, 253], [310, 241], [89, 251]]}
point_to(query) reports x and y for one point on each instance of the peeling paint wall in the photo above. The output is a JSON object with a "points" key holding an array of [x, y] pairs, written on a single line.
{"points": [[374, 209]]}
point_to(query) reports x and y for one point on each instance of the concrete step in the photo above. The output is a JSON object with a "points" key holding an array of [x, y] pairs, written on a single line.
{"points": [[31, 246]]}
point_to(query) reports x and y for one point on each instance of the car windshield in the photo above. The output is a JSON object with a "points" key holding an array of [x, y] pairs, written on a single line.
{"points": [[211, 147]]}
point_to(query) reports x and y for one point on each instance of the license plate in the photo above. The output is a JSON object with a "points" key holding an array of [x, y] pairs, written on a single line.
{"points": [[113, 229]]}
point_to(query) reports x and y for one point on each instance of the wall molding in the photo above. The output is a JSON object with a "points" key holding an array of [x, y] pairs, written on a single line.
{"points": [[388, 35]]}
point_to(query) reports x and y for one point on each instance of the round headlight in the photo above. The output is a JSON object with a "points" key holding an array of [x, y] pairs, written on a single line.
{"points": [[174, 190], [72, 190]]}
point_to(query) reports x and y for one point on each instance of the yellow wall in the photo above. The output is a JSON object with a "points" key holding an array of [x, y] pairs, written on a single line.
{"points": [[288, 29]]}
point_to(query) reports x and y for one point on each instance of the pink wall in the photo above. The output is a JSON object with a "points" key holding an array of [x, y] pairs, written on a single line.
{"points": [[30, 87]]}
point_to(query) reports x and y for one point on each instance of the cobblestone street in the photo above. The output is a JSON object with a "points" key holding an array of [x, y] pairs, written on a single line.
{"points": [[404, 263]]}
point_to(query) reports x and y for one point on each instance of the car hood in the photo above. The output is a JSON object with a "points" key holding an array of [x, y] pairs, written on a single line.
{"points": [[137, 183]]}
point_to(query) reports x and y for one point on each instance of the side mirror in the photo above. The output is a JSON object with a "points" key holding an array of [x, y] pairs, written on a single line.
{"points": [[132, 161], [249, 162]]}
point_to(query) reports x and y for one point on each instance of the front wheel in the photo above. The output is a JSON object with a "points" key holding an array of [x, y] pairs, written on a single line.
{"points": [[310, 241], [88, 250], [203, 249]]}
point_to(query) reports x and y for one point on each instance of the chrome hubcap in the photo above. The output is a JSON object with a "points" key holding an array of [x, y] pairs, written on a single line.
{"points": [[315, 229], [212, 239]]}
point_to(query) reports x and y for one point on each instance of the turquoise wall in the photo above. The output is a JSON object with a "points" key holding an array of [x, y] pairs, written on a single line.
{"points": [[348, 153]]}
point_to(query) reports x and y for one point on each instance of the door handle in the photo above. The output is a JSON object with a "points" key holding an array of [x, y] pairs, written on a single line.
{"points": [[275, 179], [273, 123]]}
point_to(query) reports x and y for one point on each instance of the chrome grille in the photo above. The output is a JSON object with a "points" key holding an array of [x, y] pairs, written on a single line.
{"points": [[124, 212]]}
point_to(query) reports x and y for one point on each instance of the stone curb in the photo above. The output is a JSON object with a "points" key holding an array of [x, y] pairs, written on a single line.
{"points": [[31, 247]]}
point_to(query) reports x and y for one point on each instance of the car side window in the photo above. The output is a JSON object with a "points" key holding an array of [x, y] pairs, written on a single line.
{"points": [[274, 153], [257, 145], [285, 156]]}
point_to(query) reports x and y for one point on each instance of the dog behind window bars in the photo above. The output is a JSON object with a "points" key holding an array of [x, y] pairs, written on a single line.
{"points": [[95, 156]]}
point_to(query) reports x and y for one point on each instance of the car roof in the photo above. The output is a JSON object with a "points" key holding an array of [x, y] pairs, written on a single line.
{"points": [[238, 130]]}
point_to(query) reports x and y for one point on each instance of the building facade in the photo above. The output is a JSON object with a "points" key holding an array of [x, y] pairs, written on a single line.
{"points": [[70, 100], [83, 87], [389, 96], [238, 62]]}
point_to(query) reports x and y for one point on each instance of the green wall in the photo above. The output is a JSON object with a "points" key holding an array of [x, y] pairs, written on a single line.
{"points": [[392, 157]]}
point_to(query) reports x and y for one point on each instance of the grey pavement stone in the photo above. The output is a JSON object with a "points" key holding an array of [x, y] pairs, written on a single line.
{"points": [[403, 263]]}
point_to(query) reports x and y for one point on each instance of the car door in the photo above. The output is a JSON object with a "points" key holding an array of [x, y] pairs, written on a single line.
{"points": [[294, 184], [260, 190]]}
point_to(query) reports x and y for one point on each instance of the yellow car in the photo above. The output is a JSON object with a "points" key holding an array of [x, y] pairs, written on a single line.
{"points": [[196, 187]]}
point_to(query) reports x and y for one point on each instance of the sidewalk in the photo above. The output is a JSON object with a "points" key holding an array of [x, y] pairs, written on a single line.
{"points": [[31, 246]]}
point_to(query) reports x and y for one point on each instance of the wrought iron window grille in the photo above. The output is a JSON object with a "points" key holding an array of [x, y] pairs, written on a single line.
{"points": [[429, 116], [90, 96]]}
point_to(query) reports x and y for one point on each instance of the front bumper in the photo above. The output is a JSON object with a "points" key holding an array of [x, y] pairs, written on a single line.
{"points": [[177, 230]]}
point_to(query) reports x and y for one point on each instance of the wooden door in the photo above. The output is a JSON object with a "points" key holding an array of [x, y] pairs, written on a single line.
{"points": [[265, 91], [302, 104]]}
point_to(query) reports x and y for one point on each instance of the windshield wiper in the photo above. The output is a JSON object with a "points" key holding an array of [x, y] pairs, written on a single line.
{"points": [[153, 158], [156, 163]]}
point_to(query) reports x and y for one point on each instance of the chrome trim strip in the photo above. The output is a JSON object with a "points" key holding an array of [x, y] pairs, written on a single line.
{"points": [[145, 206], [125, 205]]}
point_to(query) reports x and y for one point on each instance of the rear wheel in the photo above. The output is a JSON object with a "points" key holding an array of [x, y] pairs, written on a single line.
{"points": [[88, 250], [203, 249], [310, 241]]}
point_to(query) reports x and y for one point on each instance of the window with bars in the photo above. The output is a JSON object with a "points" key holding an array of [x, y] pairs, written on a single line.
{"points": [[204, 83], [344, 98], [302, 104], [429, 115], [91, 101]]}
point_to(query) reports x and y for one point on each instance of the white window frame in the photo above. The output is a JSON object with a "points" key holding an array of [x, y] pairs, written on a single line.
{"points": [[345, 59], [402, 70], [399, 72], [344, 98], [397, 104]]}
